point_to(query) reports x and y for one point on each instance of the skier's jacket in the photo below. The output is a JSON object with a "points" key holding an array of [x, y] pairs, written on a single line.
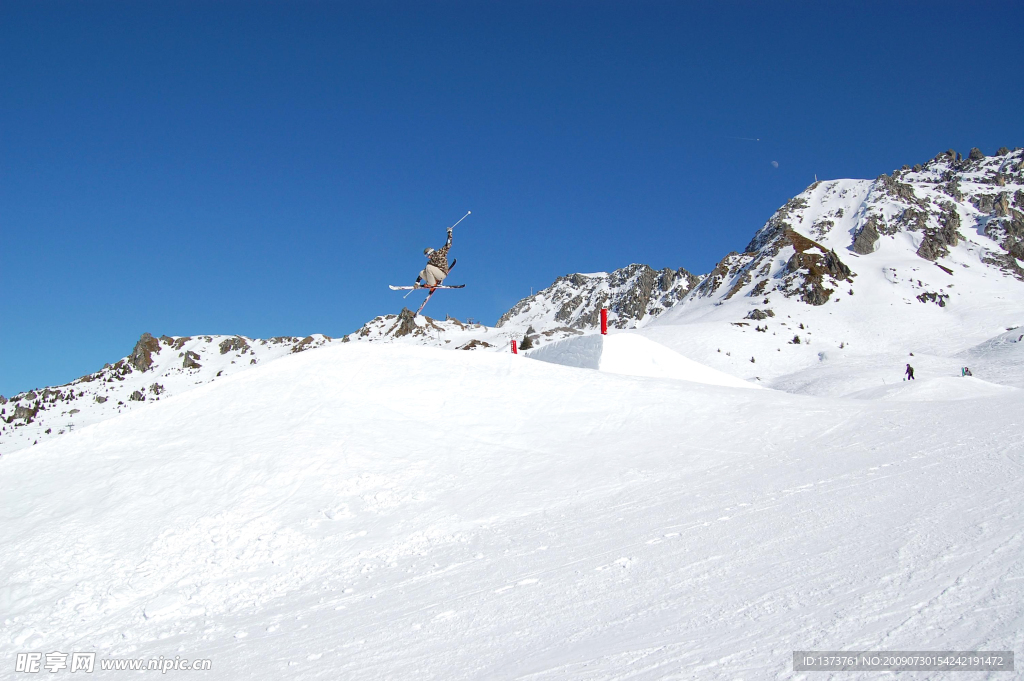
{"points": [[439, 258]]}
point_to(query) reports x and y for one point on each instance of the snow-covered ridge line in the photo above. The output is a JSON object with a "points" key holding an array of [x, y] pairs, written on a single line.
{"points": [[156, 368], [406, 328]]}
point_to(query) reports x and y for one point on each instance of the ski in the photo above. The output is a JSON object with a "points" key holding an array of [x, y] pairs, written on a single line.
{"points": [[424, 303]]}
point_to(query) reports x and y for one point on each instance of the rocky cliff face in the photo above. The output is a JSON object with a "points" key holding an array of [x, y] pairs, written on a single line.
{"points": [[631, 294]]}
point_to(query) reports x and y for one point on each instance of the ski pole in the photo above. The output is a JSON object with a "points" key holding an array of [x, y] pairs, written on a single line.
{"points": [[461, 219]]}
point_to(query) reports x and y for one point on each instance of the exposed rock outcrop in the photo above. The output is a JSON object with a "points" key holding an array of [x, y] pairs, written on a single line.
{"points": [[142, 356], [758, 315], [233, 344], [405, 325], [24, 412], [936, 242], [476, 343], [867, 238]]}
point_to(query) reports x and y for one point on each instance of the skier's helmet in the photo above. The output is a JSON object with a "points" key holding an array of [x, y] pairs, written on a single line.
{"points": [[428, 251]]}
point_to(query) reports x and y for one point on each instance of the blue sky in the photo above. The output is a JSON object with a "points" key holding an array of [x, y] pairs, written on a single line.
{"points": [[269, 168]]}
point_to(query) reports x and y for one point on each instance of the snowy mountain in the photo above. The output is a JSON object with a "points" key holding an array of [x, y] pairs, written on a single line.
{"points": [[629, 506], [156, 369]]}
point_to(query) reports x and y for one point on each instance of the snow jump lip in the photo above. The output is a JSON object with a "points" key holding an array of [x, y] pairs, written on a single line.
{"points": [[633, 355]]}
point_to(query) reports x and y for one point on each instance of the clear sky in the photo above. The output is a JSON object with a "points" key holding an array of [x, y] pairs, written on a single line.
{"points": [[268, 168]]}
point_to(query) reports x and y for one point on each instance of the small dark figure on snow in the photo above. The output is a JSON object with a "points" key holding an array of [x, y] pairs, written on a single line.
{"points": [[910, 373], [437, 265], [966, 371]]}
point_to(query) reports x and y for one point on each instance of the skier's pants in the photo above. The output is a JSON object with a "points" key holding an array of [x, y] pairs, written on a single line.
{"points": [[432, 275]]}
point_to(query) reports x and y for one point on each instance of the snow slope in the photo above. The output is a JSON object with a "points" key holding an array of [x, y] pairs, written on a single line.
{"points": [[632, 355], [379, 511], [156, 369]]}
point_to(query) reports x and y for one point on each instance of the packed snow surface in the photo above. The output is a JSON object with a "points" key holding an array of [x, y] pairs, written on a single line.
{"points": [[633, 355], [380, 511], [942, 388]]}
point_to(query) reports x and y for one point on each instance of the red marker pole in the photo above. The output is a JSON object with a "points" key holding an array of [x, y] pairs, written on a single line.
{"points": [[514, 350], [604, 321]]}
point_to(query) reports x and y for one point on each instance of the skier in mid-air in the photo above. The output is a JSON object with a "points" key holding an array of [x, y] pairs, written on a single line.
{"points": [[432, 276], [437, 265]]}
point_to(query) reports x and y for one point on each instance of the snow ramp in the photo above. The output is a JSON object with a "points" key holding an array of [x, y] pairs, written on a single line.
{"points": [[632, 355]]}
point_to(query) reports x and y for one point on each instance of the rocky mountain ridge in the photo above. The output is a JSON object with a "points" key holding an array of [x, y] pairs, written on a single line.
{"points": [[630, 294]]}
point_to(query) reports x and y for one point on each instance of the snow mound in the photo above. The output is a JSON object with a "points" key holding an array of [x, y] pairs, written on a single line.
{"points": [[632, 355], [935, 389]]}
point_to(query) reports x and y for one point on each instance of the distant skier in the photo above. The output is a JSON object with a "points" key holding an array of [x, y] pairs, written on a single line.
{"points": [[966, 371], [437, 265], [910, 373]]}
